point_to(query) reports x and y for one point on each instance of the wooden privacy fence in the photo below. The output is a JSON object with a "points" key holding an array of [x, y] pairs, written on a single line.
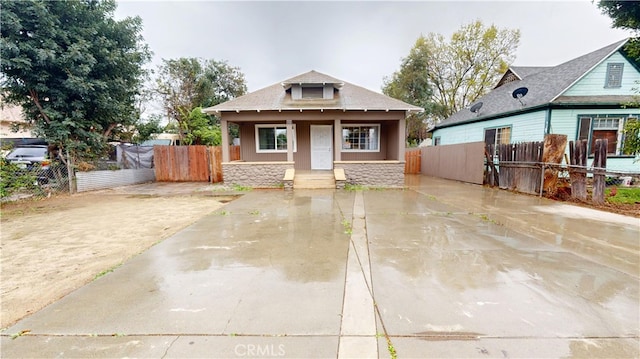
{"points": [[536, 167], [412, 160], [517, 168], [190, 163]]}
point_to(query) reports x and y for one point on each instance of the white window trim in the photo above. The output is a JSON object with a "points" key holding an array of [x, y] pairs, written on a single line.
{"points": [[342, 127], [274, 125]]}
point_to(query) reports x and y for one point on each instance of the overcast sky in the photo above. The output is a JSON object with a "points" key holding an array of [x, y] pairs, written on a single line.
{"points": [[358, 42]]}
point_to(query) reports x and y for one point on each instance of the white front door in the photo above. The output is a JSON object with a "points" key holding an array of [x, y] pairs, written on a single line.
{"points": [[321, 147]]}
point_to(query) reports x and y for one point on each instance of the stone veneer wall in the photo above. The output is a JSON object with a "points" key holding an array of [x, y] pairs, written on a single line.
{"points": [[373, 173], [255, 174]]}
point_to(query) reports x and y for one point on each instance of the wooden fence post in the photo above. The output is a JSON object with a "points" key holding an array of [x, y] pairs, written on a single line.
{"points": [[578, 169], [493, 178], [599, 165]]}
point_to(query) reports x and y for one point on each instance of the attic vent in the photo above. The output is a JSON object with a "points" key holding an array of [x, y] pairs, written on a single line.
{"points": [[614, 75], [509, 78], [312, 92]]}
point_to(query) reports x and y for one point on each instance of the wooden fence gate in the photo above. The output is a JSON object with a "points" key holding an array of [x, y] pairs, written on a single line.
{"points": [[190, 163], [412, 158]]}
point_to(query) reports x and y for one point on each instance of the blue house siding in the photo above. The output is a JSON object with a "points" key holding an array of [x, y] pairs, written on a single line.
{"points": [[524, 127], [565, 122], [593, 84]]}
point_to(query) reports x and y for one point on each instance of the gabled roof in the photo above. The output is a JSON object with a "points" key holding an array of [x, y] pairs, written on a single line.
{"points": [[515, 73], [347, 97], [545, 85], [312, 77]]}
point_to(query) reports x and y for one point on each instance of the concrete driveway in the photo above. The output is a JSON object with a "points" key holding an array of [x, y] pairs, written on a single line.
{"points": [[443, 269]]}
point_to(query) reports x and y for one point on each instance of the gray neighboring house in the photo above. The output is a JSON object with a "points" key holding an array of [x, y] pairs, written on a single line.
{"points": [[584, 98], [314, 122]]}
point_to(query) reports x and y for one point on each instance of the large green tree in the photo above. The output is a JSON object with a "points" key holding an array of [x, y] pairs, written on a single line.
{"points": [[626, 15], [74, 69], [411, 84], [187, 83], [464, 67]]}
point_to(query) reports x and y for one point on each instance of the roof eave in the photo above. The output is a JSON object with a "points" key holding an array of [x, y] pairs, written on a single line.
{"points": [[493, 116], [237, 110]]}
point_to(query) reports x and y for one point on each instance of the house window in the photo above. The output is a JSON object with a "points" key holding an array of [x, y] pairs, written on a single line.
{"points": [[595, 127], [436, 141], [312, 92], [361, 138], [273, 138], [614, 75], [497, 136]]}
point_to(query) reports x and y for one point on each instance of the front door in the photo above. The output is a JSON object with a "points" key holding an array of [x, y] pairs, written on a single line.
{"points": [[321, 147]]}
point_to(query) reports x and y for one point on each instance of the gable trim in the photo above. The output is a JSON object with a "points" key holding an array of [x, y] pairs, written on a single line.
{"points": [[603, 59]]}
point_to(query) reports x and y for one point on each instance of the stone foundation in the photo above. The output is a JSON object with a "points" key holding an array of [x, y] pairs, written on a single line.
{"points": [[373, 173], [255, 174]]}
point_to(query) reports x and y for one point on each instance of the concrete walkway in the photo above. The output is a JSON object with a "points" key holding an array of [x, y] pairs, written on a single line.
{"points": [[441, 270]]}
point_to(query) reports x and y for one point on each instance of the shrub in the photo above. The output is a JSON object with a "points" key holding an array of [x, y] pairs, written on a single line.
{"points": [[14, 179]]}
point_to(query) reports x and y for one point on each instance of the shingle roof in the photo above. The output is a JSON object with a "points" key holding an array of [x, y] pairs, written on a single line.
{"points": [[347, 97], [526, 71], [545, 85]]}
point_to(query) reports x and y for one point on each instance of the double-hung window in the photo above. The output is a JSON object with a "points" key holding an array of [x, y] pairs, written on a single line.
{"points": [[361, 138], [596, 127], [273, 138]]}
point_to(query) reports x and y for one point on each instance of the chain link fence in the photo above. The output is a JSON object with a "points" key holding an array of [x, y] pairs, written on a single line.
{"points": [[20, 180]]}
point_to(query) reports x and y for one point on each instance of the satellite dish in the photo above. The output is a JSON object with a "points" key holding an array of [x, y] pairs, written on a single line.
{"points": [[519, 93], [476, 107]]}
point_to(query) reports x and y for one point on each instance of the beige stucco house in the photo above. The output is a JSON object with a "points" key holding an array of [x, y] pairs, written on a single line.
{"points": [[11, 117], [315, 123]]}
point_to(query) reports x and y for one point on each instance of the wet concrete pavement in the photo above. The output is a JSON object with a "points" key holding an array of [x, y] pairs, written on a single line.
{"points": [[443, 269]]}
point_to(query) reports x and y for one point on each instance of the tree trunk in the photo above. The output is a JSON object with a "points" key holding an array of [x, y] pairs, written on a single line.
{"points": [[553, 152]]}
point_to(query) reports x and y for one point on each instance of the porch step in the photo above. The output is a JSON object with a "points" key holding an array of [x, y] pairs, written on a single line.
{"points": [[314, 180]]}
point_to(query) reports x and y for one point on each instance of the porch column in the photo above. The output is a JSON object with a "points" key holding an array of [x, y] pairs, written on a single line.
{"points": [[224, 128], [289, 141], [337, 140], [402, 127]]}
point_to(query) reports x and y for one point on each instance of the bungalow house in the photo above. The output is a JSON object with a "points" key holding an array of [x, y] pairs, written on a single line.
{"points": [[584, 98], [314, 123]]}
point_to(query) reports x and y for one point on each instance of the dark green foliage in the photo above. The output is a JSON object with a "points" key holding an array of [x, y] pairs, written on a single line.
{"points": [[74, 69], [14, 179], [625, 15], [631, 143], [200, 129]]}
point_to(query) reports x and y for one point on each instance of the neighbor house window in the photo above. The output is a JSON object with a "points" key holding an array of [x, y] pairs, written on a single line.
{"points": [[595, 127], [497, 136], [273, 138], [361, 138], [614, 74], [436, 141]]}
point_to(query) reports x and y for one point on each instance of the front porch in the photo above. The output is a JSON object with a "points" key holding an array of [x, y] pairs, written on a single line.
{"points": [[282, 174]]}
